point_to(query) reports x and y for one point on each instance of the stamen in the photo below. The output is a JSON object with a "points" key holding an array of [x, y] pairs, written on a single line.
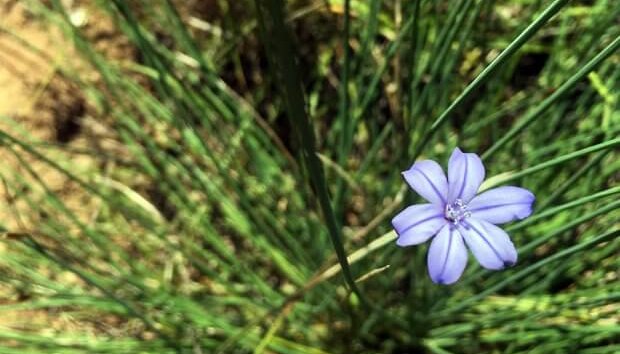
{"points": [[457, 211]]}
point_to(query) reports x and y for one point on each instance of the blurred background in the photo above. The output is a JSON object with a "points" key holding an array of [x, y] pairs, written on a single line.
{"points": [[164, 169]]}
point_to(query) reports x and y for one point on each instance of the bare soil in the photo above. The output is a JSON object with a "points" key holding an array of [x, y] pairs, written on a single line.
{"points": [[38, 104]]}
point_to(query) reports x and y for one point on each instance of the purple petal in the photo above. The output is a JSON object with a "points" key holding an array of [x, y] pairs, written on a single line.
{"points": [[417, 224], [490, 245], [447, 256], [503, 204], [465, 174], [428, 180]]}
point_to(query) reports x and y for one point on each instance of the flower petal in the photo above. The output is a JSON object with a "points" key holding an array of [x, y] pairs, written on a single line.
{"points": [[447, 256], [428, 180], [465, 174], [503, 204], [417, 224], [490, 245]]}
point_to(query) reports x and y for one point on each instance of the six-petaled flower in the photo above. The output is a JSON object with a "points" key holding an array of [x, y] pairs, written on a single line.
{"points": [[456, 216]]}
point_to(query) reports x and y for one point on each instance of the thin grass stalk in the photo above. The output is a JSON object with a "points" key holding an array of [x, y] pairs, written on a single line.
{"points": [[347, 129], [487, 73], [557, 94], [280, 47], [610, 235]]}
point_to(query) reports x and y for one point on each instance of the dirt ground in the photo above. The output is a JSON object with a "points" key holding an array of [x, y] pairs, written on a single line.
{"points": [[23, 72], [46, 109], [34, 102]]}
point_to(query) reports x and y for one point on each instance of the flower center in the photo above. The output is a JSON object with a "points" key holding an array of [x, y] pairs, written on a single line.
{"points": [[457, 211]]}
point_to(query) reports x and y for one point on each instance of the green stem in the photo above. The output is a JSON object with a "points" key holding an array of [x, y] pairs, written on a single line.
{"points": [[549, 101], [521, 274], [280, 49], [501, 59], [347, 128]]}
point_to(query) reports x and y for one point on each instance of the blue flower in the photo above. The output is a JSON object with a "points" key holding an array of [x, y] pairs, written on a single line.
{"points": [[456, 216]]}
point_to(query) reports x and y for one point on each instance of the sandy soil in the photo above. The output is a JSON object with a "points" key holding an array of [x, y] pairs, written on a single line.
{"points": [[34, 101], [23, 72]]}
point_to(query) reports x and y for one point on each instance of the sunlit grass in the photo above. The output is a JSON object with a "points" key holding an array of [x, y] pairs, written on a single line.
{"points": [[252, 158]]}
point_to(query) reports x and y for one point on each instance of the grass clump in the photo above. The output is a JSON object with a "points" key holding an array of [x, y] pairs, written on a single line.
{"points": [[249, 147]]}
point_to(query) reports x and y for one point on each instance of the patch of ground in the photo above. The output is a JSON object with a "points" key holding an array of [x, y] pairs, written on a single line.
{"points": [[39, 104], [43, 107], [23, 72], [35, 101]]}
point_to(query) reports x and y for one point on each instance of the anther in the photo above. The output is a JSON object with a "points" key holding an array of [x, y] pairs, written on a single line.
{"points": [[457, 211]]}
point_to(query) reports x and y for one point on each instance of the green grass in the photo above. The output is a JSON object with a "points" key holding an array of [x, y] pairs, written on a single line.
{"points": [[256, 156]]}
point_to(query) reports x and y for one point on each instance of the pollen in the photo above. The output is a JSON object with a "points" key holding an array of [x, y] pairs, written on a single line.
{"points": [[457, 211]]}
